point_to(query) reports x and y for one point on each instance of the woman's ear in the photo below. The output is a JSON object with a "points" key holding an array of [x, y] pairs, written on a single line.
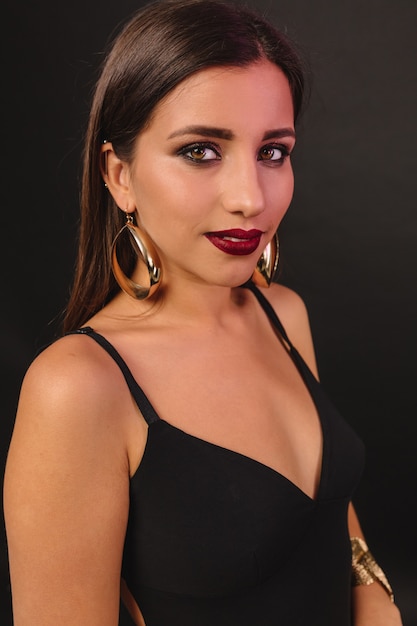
{"points": [[116, 176]]}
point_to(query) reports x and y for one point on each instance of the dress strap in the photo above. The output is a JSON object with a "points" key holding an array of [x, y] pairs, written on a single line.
{"points": [[137, 392], [269, 310], [304, 369]]}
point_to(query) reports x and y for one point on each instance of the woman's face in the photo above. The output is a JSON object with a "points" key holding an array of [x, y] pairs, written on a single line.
{"points": [[211, 178]]}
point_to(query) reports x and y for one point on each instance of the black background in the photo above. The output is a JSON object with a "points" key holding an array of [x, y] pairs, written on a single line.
{"points": [[348, 243]]}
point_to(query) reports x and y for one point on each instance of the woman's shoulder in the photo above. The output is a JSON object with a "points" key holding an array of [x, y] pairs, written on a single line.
{"points": [[288, 305], [70, 377], [68, 359], [293, 314]]}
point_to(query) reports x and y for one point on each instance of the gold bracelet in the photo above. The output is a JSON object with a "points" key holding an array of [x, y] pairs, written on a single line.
{"points": [[365, 570]]}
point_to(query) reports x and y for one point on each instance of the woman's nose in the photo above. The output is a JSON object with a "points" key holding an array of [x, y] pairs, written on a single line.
{"points": [[243, 189]]}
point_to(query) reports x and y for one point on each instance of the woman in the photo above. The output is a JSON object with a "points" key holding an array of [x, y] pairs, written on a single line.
{"points": [[222, 496]]}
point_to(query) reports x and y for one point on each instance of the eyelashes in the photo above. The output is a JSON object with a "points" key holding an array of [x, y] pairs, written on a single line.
{"points": [[273, 153], [202, 152]]}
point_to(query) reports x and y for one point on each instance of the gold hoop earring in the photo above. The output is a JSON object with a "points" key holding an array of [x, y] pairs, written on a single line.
{"points": [[145, 251], [267, 264]]}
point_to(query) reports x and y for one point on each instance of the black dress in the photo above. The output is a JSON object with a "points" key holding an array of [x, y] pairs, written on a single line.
{"points": [[215, 538]]}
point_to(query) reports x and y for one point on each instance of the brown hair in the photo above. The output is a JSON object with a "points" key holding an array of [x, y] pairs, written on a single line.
{"points": [[160, 46]]}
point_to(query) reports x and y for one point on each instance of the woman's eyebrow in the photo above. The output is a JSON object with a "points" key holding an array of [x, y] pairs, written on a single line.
{"points": [[278, 133], [224, 133], [204, 131]]}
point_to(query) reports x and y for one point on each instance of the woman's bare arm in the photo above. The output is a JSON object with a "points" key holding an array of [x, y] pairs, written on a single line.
{"points": [[371, 603], [66, 490]]}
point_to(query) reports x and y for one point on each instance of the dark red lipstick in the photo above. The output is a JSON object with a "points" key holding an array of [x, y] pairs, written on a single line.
{"points": [[235, 241]]}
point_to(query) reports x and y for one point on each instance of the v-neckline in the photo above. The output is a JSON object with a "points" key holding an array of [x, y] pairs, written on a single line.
{"points": [[276, 474], [151, 416]]}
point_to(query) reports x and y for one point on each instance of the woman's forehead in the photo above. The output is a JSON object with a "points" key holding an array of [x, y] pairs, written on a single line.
{"points": [[210, 95]]}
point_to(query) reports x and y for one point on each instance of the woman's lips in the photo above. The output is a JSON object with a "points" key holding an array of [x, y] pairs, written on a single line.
{"points": [[235, 241]]}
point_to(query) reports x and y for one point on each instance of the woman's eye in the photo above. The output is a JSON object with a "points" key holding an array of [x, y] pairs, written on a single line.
{"points": [[275, 154], [200, 152]]}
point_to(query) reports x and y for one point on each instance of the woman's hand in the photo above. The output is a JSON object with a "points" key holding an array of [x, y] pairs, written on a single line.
{"points": [[372, 607]]}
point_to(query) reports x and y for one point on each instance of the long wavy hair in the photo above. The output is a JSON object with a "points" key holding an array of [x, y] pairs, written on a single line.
{"points": [[160, 46]]}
